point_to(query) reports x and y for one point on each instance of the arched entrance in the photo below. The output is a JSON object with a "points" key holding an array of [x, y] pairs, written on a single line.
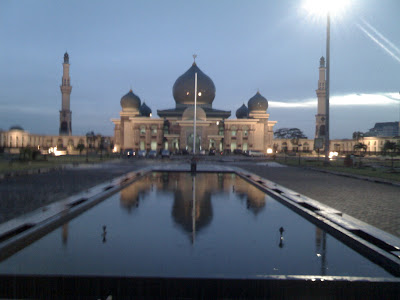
{"points": [[190, 143]]}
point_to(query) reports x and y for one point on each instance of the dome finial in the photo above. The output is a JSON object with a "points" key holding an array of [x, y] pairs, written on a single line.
{"points": [[194, 58]]}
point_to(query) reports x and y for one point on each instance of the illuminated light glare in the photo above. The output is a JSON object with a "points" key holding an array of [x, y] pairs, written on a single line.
{"points": [[115, 149], [379, 43], [269, 151], [187, 93], [319, 255], [380, 35], [333, 155], [55, 152], [323, 7], [199, 94]]}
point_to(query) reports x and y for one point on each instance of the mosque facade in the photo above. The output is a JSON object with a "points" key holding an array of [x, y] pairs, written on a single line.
{"points": [[174, 129]]}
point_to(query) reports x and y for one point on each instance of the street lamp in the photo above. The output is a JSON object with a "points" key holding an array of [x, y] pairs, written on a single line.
{"points": [[195, 109], [328, 40], [326, 8]]}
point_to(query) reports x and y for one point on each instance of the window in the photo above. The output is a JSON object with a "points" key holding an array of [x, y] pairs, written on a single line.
{"points": [[245, 131], [142, 130], [233, 131], [153, 130]]}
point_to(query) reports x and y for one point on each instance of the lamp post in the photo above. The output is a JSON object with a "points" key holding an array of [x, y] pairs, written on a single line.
{"points": [[195, 108], [195, 113], [326, 8], [328, 37]]}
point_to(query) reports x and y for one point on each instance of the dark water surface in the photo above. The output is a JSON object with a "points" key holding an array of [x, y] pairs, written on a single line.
{"points": [[175, 225]]}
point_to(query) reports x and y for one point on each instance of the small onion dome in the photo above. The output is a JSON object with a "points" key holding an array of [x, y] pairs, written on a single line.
{"points": [[183, 89], [144, 110], [258, 103], [188, 114], [16, 127], [242, 112], [66, 58], [130, 101]]}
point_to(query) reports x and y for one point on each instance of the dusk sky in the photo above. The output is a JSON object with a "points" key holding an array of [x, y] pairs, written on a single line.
{"points": [[243, 46]]}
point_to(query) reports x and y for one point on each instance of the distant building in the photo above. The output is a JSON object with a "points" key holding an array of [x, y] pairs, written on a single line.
{"points": [[384, 129], [374, 139], [16, 137]]}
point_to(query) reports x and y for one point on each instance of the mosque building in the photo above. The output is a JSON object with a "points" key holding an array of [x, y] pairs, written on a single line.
{"points": [[174, 130]]}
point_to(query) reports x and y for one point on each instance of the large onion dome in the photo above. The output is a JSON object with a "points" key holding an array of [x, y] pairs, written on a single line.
{"points": [[16, 127], [144, 110], [130, 101], [183, 90], [258, 103], [242, 112]]}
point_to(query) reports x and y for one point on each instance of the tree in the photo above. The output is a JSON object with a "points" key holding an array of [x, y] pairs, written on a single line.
{"points": [[80, 147], [101, 144], [359, 147], [391, 146], [289, 133], [358, 135], [90, 136]]}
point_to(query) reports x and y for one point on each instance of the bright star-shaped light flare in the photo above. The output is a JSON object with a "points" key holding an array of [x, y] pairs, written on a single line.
{"points": [[323, 7]]}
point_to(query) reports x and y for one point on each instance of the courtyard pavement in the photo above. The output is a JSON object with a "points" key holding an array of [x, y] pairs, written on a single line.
{"points": [[374, 203]]}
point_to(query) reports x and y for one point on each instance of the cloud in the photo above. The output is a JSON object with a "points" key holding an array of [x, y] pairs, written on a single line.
{"points": [[377, 99]]}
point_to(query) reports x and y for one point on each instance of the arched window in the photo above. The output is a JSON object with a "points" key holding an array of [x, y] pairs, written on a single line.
{"points": [[142, 130], [245, 131], [153, 130], [60, 143], [221, 128], [233, 131]]}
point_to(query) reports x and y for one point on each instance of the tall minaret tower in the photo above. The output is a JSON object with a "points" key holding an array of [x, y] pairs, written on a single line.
{"points": [[65, 112], [321, 94]]}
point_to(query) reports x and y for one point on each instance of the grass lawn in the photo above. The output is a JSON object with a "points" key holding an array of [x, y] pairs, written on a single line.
{"points": [[13, 165], [377, 168]]}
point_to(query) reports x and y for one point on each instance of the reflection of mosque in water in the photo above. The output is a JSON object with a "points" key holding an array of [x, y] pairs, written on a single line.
{"points": [[192, 208]]}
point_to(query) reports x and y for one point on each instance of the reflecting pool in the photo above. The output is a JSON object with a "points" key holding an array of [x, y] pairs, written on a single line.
{"points": [[211, 225]]}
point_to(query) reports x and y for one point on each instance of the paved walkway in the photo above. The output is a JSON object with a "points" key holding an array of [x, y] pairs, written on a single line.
{"points": [[373, 203], [22, 194]]}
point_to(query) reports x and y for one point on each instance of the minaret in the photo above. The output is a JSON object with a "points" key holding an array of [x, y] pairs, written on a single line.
{"points": [[321, 94], [65, 112]]}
